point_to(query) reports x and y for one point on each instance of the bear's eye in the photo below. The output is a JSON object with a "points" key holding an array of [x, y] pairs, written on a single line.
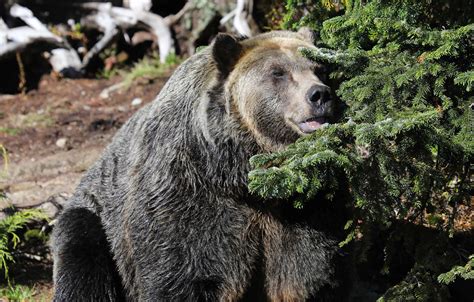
{"points": [[278, 73]]}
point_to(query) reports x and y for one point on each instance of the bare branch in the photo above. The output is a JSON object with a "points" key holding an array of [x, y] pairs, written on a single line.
{"points": [[126, 18], [173, 19]]}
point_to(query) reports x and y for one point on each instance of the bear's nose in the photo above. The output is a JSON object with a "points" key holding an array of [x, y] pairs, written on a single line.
{"points": [[319, 94]]}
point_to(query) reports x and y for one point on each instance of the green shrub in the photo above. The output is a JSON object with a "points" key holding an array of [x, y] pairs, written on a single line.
{"points": [[9, 238], [150, 68], [465, 272], [17, 293]]}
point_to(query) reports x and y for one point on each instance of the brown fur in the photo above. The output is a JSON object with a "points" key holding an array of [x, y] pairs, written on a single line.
{"points": [[166, 215]]}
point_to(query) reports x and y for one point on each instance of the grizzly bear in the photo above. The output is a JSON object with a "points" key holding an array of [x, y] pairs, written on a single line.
{"points": [[165, 214]]}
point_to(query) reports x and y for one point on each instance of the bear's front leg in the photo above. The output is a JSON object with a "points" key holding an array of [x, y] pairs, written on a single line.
{"points": [[299, 263], [190, 253]]}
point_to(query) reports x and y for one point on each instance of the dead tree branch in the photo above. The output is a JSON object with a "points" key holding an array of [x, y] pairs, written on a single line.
{"points": [[125, 18]]}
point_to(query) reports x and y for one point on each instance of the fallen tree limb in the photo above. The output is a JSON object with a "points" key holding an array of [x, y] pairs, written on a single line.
{"points": [[25, 34], [26, 15], [105, 23], [138, 5], [19, 38], [240, 19], [173, 19], [125, 18], [14, 40], [241, 16]]}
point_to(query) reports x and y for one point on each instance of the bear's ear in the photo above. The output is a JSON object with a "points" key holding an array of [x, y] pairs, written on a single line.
{"points": [[226, 51], [307, 34]]}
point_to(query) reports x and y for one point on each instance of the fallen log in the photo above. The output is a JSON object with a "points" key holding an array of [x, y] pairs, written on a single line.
{"points": [[241, 16], [62, 58], [107, 16], [113, 21], [103, 22]]}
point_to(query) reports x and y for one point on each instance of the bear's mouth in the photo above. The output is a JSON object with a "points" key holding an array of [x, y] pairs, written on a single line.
{"points": [[312, 124]]}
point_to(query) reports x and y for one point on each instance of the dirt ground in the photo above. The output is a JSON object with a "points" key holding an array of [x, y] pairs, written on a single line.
{"points": [[53, 134]]}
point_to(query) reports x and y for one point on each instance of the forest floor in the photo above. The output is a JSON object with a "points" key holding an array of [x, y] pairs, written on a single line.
{"points": [[52, 135]]}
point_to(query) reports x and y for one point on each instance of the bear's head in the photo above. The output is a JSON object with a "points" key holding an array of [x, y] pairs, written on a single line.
{"points": [[274, 91]]}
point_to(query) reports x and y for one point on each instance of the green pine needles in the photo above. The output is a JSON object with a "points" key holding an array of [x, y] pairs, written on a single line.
{"points": [[9, 238], [389, 172], [409, 123], [404, 146], [466, 272]]}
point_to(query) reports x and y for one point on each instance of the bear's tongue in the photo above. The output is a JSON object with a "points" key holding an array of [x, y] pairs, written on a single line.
{"points": [[312, 124]]}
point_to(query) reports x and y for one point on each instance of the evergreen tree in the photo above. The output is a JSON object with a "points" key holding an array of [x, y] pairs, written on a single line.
{"points": [[404, 145]]}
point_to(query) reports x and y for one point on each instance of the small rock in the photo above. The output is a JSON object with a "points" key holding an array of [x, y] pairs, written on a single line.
{"points": [[136, 101], [61, 143], [104, 94]]}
